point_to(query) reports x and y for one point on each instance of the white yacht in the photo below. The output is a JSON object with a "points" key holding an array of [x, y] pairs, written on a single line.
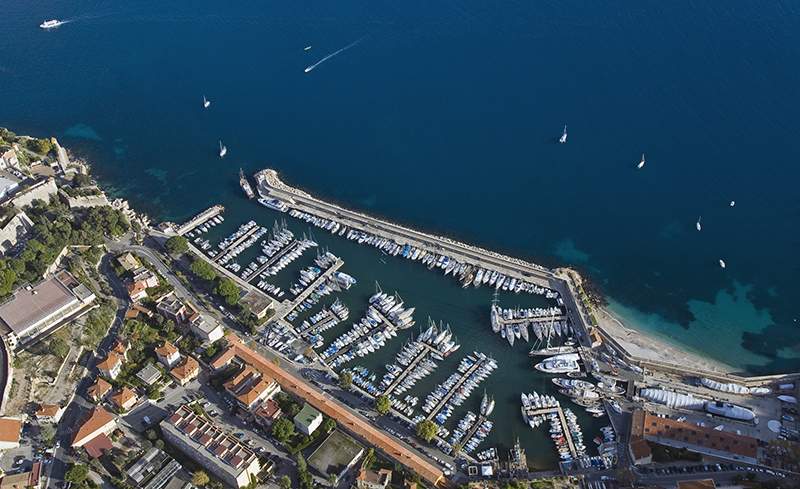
{"points": [[206, 103], [563, 138], [698, 223], [641, 163], [49, 24], [222, 150]]}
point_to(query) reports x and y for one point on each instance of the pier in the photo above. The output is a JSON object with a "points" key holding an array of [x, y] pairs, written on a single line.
{"points": [[241, 239], [346, 349], [199, 219], [564, 426], [444, 400], [400, 378], [308, 290], [282, 252]]}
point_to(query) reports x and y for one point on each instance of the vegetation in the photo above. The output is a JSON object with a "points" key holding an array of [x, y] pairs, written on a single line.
{"points": [[305, 478], [59, 348], [97, 323], [285, 482], [426, 430], [328, 425], [382, 404], [282, 429], [47, 433], [625, 477], [333, 480], [77, 474], [200, 478], [228, 290], [203, 269], [176, 245], [345, 380]]}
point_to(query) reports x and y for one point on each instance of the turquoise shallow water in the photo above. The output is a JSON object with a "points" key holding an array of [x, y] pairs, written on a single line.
{"points": [[446, 117]]}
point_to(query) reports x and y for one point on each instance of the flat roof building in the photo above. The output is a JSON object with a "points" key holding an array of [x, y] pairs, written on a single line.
{"points": [[308, 419], [128, 262], [210, 447], [34, 312], [149, 374], [258, 302], [205, 327], [336, 455]]}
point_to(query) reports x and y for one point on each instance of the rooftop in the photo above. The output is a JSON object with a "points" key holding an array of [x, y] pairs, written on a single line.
{"points": [[99, 388], [335, 454], [47, 410], [9, 429], [186, 368], [91, 421], [307, 415], [28, 307], [698, 484], [166, 350]]}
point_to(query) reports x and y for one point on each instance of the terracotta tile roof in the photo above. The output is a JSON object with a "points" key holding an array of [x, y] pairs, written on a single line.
{"points": [[98, 389], [147, 312], [88, 424], [47, 410], [9, 429], [268, 410], [698, 484], [109, 361], [188, 367], [131, 314], [166, 350], [224, 357], [135, 289], [96, 445], [16, 481], [122, 396], [120, 347], [351, 423]]}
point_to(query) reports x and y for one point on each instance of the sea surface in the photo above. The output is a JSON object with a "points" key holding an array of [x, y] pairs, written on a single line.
{"points": [[446, 116]]}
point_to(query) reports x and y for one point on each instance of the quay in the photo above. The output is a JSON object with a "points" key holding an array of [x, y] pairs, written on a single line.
{"points": [[444, 400], [197, 220], [280, 254], [236, 243]]}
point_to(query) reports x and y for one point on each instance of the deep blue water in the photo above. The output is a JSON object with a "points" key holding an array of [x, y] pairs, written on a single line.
{"points": [[446, 115]]}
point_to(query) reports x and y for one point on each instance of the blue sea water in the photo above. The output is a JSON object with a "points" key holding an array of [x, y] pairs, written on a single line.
{"points": [[446, 116]]}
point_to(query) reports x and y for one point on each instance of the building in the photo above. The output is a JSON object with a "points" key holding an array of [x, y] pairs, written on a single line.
{"points": [[49, 413], [258, 303], [145, 276], [594, 337], [149, 374], [98, 391], [128, 262], [697, 484], [7, 187], [42, 190], [205, 327], [120, 347], [9, 432], [267, 412], [110, 365], [153, 471], [700, 439], [94, 423], [9, 158], [168, 354], [24, 480], [210, 447], [34, 312], [136, 291], [186, 371], [336, 455], [308, 419], [369, 479], [249, 387], [171, 307], [17, 228], [124, 398]]}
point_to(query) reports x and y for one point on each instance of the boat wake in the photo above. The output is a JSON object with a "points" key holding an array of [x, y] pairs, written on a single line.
{"points": [[335, 53]]}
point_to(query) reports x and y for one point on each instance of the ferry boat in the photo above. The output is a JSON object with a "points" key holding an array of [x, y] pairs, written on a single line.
{"points": [[274, 204], [243, 181], [49, 24]]}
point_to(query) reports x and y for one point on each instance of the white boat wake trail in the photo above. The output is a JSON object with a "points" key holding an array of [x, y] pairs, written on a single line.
{"points": [[334, 54]]}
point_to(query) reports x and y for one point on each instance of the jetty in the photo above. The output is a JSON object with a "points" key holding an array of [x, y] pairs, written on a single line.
{"points": [[280, 254], [426, 349], [286, 308], [241, 239], [446, 398], [192, 223]]}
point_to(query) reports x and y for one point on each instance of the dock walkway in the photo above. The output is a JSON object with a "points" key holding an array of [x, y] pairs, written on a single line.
{"points": [[400, 378], [564, 426], [236, 243], [280, 254], [440, 405], [286, 308], [378, 328], [199, 219]]}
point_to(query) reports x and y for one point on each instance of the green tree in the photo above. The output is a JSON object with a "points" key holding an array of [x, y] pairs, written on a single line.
{"points": [[200, 478], [333, 480], [147, 445], [77, 474], [7, 279], [203, 269], [150, 434], [47, 433], [228, 290], [301, 463], [285, 482], [40, 146], [276, 361], [345, 380], [176, 245], [328, 424], [426, 430], [282, 429], [382, 404], [456, 448], [159, 444], [59, 348]]}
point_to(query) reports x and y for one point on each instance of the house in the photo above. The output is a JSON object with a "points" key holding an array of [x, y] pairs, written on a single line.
{"points": [[267, 412], [24, 480], [249, 387], [49, 413], [9, 158], [120, 347], [110, 365], [124, 398], [594, 337], [149, 374], [147, 277], [9, 432], [307, 420], [143, 310], [94, 423], [209, 446], [186, 371], [171, 307], [205, 327], [98, 390], [128, 262], [369, 479], [168, 354], [136, 291]]}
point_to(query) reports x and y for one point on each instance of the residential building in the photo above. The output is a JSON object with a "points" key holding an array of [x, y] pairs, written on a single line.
{"points": [[110, 365], [128, 262], [147, 277], [308, 419], [210, 447], [168, 354], [124, 398], [249, 387], [95, 422], [7, 187], [120, 347], [9, 158], [49, 413], [369, 479], [34, 312], [12, 233], [149, 374], [205, 327], [136, 291], [171, 307], [186, 371], [267, 412], [24, 480], [98, 391], [257, 302], [9, 432]]}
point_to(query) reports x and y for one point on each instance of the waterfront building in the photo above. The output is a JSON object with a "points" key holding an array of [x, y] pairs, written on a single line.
{"points": [[168, 354], [149, 374], [336, 455], [9, 432], [171, 307], [257, 302], [95, 423], [369, 479], [186, 371], [12, 233], [128, 262], [308, 419], [49, 413], [210, 447], [249, 387], [110, 365], [36, 311], [81, 202], [98, 391], [145, 276], [124, 398], [205, 327], [9, 158]]}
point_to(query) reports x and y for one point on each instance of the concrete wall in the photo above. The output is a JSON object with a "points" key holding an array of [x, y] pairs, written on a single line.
{"points": [[40, 191]]}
